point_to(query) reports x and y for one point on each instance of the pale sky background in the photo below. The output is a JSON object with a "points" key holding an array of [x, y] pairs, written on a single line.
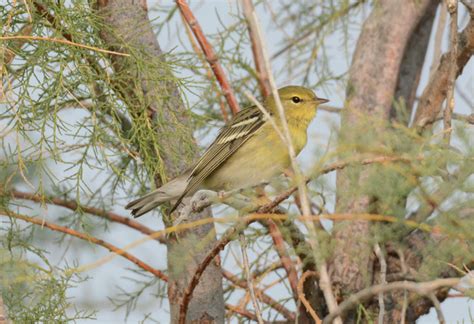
{"points": [[105, 279]]}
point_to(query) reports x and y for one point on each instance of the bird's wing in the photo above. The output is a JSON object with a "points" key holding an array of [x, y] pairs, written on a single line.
{"points": [[230, 138]]}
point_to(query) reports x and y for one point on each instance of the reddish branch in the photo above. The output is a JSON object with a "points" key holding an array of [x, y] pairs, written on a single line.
{"points": [[88, 238], [72, 205], [260, 295], [262, 73], [284, 257], [208, 70], [302, 297], [211, 56], [243, 312], [213, 252]]}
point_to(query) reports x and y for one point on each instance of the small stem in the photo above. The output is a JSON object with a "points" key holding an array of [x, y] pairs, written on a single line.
{"points": [[453, 69], [211, 56], [243, 245], [383, 280]]}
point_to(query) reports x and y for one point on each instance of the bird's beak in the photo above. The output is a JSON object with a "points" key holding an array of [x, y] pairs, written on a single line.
{"points": [[320, 101]]}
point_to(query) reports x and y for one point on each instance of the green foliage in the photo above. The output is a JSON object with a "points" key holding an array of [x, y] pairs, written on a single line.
{"points": [[34, 291]]}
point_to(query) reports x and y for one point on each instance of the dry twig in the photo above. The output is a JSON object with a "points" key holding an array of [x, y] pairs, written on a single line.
{"points": [[72, 205], [62, 41], [261, 295], [383, 280], [88, 238], [211, 56], [422, 288], [302, 297], [262, 73], [453, 67], [250, 287], [286, 261]]}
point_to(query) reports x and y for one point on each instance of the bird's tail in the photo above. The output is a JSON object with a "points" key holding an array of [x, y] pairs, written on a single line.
{"points": [[168, 192]]}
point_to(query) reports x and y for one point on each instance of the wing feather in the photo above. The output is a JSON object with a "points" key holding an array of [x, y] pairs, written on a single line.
{"points": [[231, 137]]}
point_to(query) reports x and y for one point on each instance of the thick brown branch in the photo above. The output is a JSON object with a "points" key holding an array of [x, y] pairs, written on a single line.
{"points": [[88, 238], [435, 92]]}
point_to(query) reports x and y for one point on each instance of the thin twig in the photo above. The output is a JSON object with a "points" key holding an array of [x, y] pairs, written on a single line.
{"points": [[422, 288], [437, 307], [290, 316], [383, 280], [330, 18], [403, 314], [438, 40], [246, 220], [452, 6], [72, 205], [213, 252], [262, 73], [88, 238], [250, 287], [211, 56], [242, 312], [62, 41], [302, 297], [209, 74], [286, 261], [404, 267]]}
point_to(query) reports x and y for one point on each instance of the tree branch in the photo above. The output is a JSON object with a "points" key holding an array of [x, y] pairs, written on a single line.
{"points": [[453, 68], [88, 238], [211, 56], [302, 297], [261, 295], [262, 73], [423, 288], [72, 205], [284, 257], [435, 92]]}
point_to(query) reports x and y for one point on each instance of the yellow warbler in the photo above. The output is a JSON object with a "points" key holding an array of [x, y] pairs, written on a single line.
{"points": [[247, 151]]}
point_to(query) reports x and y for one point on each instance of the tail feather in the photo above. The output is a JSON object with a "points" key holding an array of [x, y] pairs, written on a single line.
{"points": [[168, 192]]}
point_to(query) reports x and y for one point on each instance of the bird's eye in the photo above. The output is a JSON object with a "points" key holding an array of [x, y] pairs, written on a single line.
{"points": [[296, 99]]}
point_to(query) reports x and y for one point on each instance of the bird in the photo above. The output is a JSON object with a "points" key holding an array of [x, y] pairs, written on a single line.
{"points": [[246, 152]]}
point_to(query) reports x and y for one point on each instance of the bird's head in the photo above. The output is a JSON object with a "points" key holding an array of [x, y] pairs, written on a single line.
{"points": [[298, 102]]}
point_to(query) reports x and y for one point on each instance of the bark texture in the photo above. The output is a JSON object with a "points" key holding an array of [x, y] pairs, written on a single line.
{"points": [[413, 59], [128, 29], [435, 93], [373, 81]]}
